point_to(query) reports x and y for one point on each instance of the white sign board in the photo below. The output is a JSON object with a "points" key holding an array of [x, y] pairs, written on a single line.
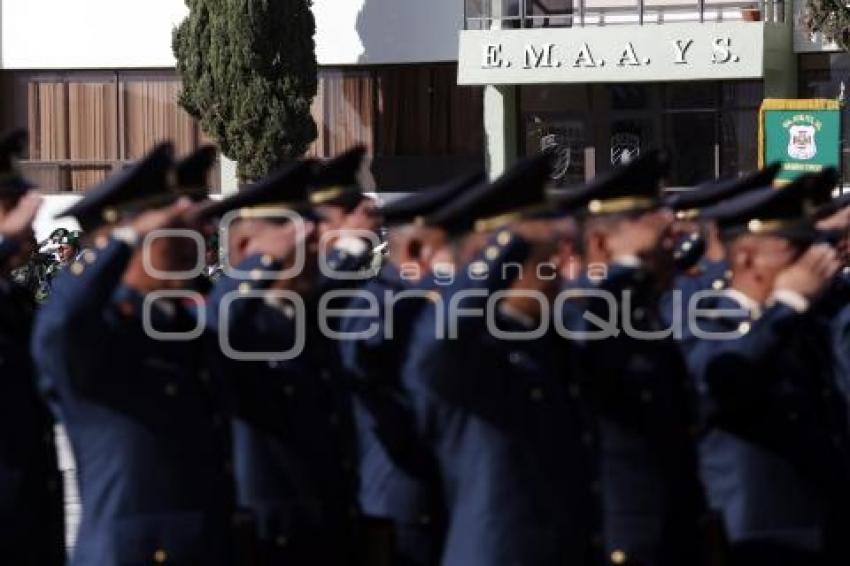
{"points": [[669, 52]]}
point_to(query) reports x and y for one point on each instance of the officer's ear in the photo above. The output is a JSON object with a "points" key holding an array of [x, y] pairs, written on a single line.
{"points": [[420, 251], [742, 255], [238, 240], [596, 243], [414, 248], [8, 203]]}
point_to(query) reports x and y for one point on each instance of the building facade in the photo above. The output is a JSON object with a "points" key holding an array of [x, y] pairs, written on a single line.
{"points": [[431, 88], [95, 84], [597, 81]]}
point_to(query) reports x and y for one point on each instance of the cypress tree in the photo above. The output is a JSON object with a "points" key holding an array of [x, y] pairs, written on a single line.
{"points": [[249, 77]]}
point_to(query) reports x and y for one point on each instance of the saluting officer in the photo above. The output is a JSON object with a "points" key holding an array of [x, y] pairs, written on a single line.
{"points": [[68, 249], [142, 412], [495, 412], [775, 457], [398, 479], [634, 380], [832, 219], [293, 435], [31, 508], [698, 253], [192, 174], [337, 195], [335, 190]]}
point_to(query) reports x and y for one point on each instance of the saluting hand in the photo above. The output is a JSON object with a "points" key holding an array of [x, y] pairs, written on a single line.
{"points": [[166, 217], [279, 241], [17, 224], [364, 217], [640, 236], [810, 273], [838, 221]]}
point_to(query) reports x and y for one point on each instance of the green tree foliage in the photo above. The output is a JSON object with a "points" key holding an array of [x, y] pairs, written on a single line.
{"points": [[829, 17], [249, 76]]}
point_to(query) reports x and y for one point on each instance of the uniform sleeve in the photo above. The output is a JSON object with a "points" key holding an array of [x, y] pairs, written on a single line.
{"points": [[74, 314], [442, 333], [253, 325], [343, 260], [365, 359], [8, 248], [227, 290], [840, 328], [374, 367], [493, 270], [629, 370], [726, 371], [711, 276], [85, 288]]}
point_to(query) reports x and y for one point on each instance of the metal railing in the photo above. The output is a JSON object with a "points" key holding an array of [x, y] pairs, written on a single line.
{"points": [[521, 14]]}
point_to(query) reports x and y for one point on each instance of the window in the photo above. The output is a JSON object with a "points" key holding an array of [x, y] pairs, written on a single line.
{"points": [[709, 127], [556, 119]]}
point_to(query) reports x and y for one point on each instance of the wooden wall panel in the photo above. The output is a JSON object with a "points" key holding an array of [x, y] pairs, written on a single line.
{"points": [[49, 135], [151, 115], [93, 130], [80, 122], [318, 148], [349, 104]]}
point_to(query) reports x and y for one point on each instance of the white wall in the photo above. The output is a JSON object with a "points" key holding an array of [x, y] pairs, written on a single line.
{"points": [[74, 34], [387, 31], [69, 34]]}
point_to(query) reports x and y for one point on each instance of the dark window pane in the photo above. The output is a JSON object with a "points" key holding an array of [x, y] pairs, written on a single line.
{"points": [[742, 94], [839, 62], [629, 138], [813, 61], [549, 13], [697, 94], [484, 14], [692, 141], [629, 96], [822, 75], [556, 118], [565, 138], [738, 142], [554, 98]]}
